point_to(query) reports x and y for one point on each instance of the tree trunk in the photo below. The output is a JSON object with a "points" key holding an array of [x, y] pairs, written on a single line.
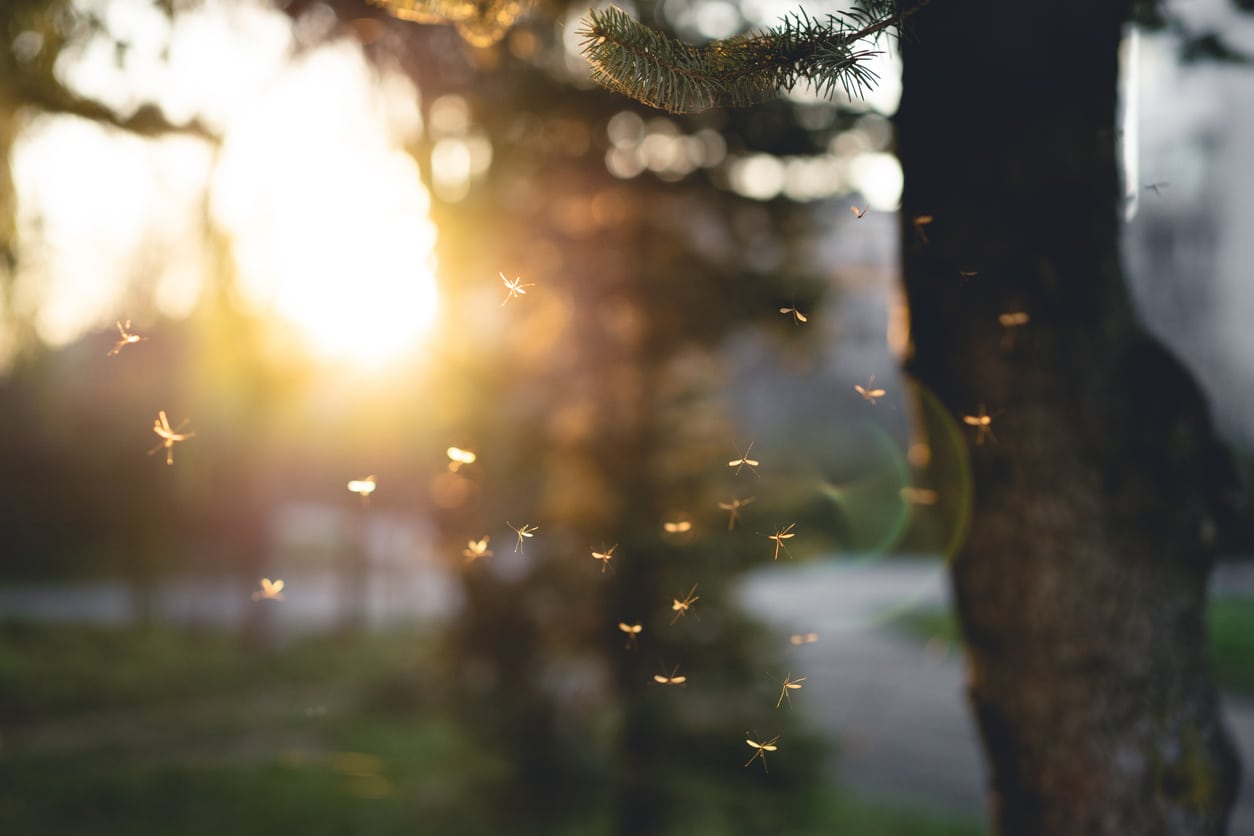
{"points": [[1081, 589]]}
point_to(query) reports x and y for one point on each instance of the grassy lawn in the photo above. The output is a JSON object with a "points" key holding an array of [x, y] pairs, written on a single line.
{"points": [[1231, 625], [161, 732], [1231, 636]]}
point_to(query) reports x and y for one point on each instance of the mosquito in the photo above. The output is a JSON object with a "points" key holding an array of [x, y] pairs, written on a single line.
{"points": [[271, 590], [920, 496], [761, 750], [169, 437], [803, 638], [523, 531], [790, 685], [984, 423], [780, 535], [732, 507], [605, 557], [476, 549], [515, 288], [745, 461], [858, 213], [869, 393], [1010, 321], [662, 679], [797, 316], [920, 222], [125, 338], [681, 607], [1157, 188], [677, 526], [632, 630], [458, 457], [363, 487]]}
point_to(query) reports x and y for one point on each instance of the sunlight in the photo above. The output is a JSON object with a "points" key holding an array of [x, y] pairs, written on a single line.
{"points": [[329, 222], [326, 215]]}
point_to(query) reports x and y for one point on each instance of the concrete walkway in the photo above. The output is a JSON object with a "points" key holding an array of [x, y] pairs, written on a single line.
{"points": [[896, 708]]}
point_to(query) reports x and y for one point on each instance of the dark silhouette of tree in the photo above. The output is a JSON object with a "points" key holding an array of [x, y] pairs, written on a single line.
{"points": [[1081, 588]]}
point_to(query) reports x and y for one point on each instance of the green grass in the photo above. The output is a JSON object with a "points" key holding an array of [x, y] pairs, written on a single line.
{"points": [[1231, 627], [151, 733], [938, 624], [55, 670], [1230, 623]]}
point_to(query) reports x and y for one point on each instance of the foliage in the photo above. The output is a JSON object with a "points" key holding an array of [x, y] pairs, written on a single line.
{"points": [[327, 737], [481, 24], [637, 61], [57, 671], [1230, 631]]}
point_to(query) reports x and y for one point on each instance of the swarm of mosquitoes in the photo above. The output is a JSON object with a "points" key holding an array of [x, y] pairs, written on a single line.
{"points": [[477, 549]]}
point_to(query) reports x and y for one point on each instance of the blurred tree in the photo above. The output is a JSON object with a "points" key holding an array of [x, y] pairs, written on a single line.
{"points": [[33, 36], [588, 424], [1082, 586]]}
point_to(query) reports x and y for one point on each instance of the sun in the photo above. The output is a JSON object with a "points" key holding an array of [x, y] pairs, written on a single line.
{"points": [[328, 220]]}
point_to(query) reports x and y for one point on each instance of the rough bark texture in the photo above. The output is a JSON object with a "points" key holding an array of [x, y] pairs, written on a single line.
{"points": [[1081, 587]]}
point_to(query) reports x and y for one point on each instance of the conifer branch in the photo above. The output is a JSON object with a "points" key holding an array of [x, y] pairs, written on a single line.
{"points": [[663, 72]]}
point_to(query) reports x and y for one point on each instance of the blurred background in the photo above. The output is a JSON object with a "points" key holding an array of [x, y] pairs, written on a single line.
{"points": [[291, 228]]}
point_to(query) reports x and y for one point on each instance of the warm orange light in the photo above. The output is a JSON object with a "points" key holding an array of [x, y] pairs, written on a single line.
{"points": [[983, 422], [780, 535], [745, 461], [605, 557], [681, 607], [672, 679], [733, 506], [920, 496], [515, 288], [458, 457], [125, 338], [919, 454], [271, 590], [797, 316], [522, 531], [920, 222], [632, 630], [169, 437], [789, 685], [476, 549], [869, 393], [363, 487], [761, 750]]}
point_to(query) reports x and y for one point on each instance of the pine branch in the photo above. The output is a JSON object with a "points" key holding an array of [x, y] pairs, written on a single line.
{"points": [[641, 63]]}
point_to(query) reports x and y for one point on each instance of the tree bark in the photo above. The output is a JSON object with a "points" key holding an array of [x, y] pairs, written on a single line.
{"points": [[1081, 588]]}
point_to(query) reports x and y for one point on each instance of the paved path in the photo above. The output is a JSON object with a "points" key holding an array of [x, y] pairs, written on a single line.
{"points": [[897, 708]]}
